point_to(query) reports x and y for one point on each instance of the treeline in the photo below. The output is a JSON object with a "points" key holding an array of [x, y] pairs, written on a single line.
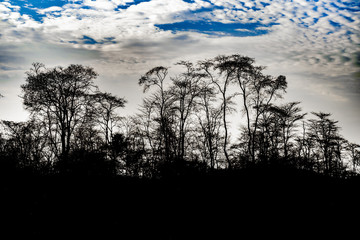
{"points": [[182, 127]]}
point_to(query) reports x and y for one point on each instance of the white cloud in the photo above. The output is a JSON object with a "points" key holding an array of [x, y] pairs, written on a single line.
{"points": [[100, 4], [312, 29], [264, 28], [122, 2], [50, 9], [9, 12], [4, 8]]}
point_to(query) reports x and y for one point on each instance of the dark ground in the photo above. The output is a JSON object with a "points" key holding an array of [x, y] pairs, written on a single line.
{"points": [[222, 205]]}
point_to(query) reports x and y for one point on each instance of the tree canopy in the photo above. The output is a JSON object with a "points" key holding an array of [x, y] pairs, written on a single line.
{"points": [[182, 124]]}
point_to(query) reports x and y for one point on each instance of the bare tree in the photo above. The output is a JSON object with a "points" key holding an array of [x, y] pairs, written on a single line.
{"points": [[162, 103], [220, 74], [268, 136], [324, 131], [257, 91], [209, 118], [354, 153], [288, 116], [185, 90], [27, 141], [59, 96], [105, 105]]}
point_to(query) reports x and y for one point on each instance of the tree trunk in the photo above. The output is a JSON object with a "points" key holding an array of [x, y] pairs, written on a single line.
{"points": [[225, 134]]}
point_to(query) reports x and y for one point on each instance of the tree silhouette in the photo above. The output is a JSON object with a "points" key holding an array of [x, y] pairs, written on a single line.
{"points": [[162, 101], [26, 145], [258, 91], [354, 153], [287, 115], [105, 105], [210, 122], [185, 90], [60, 97], [324, 131], [182, 126], [220, 74], [139, 146], [128, 155]]}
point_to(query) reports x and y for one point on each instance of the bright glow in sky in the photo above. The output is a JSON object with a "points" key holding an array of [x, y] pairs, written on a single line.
{"points": [[314, 43]]}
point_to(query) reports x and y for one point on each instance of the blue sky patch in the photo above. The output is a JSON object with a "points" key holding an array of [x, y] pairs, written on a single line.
{"points": [[347, 18], [352, 6], [39, 3], [88, 40], [31, 7], [334, 24], [217, 28], [193, 1], [129, 4], [264, 4]]}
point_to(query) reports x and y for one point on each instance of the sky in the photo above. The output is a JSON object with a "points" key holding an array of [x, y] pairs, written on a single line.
{"points": [[315, 44]]}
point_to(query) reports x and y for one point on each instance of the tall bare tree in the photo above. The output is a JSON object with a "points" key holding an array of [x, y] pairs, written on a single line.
{"points": [[325, 132], [220, 74], [105, 105], [185, 90], [210, 121], [257, 91], [288, 116], [59, 96], [161, 102]]}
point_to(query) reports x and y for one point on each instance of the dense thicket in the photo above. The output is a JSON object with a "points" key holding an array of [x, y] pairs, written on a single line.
{"points": [[183, 126]]}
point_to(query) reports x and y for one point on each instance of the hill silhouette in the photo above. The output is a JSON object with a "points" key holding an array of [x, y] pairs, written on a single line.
{"points": [[218, 205]]}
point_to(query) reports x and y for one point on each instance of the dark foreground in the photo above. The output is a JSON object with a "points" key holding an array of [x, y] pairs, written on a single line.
{"points": [[222, 205]]}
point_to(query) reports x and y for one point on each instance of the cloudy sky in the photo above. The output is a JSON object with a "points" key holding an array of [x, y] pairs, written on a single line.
{"points": [[315, 44]]}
